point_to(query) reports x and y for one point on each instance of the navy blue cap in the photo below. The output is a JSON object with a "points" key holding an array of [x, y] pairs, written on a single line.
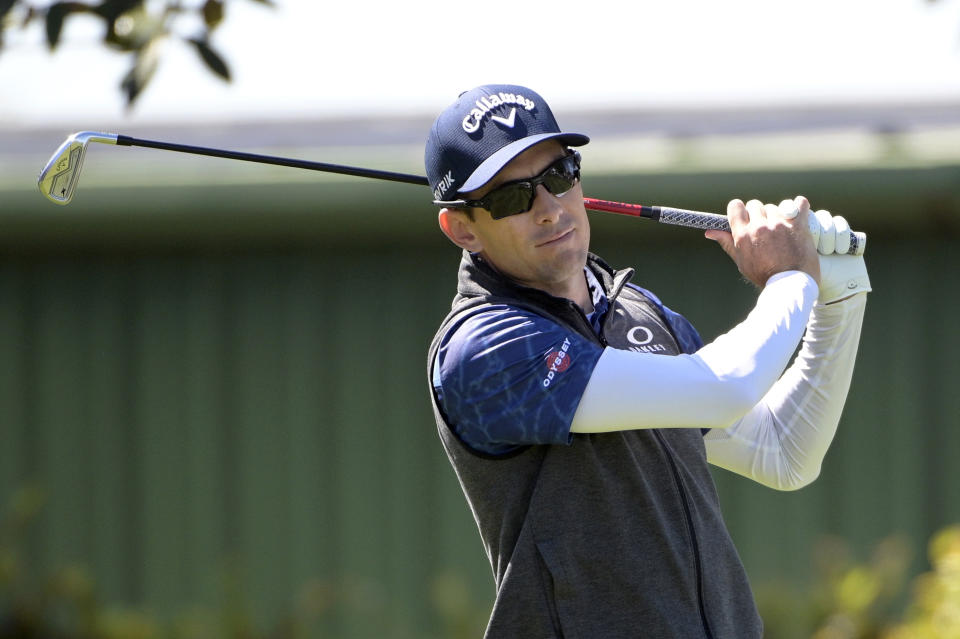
{"points": [[482, 131]]}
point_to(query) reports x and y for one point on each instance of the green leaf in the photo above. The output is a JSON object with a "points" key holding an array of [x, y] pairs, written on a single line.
{"points": [[32, 12], [131, 85], [211, 58], [140, 74], [5, 6], [212, 13], [56, 14], [110, 10]]}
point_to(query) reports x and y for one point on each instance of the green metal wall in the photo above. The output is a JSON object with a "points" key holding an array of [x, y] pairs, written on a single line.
{"points": [[263, 413], [260, 413]]}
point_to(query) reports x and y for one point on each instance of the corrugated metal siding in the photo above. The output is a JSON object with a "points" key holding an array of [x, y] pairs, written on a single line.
{"points": [[265, 413]]}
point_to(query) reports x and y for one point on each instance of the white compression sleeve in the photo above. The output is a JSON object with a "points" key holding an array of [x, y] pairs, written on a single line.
{"points": [[781, 443], [711, 388]]}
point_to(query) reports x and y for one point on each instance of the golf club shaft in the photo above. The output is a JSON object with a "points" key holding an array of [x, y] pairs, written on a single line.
{"points": [[681, 217], [125, 140], [59, 178]]}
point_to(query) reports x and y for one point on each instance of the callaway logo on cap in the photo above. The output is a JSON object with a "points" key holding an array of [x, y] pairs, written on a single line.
{"points": [[481, 132]]}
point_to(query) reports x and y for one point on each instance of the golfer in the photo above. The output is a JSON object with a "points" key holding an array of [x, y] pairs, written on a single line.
{"points": [[580, 412]]}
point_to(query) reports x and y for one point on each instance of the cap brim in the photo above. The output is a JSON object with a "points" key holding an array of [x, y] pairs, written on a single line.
{"points": [[492, 165]]}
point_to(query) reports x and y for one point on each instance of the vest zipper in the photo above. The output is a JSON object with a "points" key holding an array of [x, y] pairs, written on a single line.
{"points": [[587, 325], [693, 533], [698, 567]]}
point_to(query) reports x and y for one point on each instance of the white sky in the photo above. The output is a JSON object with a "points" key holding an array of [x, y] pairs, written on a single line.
{"points": [[335, 57]]}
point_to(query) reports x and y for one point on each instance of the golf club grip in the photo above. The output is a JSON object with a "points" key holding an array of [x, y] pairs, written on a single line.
{"points": [[692, 219]]}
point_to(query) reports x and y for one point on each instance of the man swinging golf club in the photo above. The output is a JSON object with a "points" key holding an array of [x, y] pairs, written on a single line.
{"points": [[580, 412]]}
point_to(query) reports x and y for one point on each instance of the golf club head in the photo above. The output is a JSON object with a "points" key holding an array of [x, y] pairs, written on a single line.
{"points": [[58, 179]]}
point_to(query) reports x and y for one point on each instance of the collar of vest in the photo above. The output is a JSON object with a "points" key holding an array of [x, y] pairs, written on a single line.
{"points": [[478, 278]]}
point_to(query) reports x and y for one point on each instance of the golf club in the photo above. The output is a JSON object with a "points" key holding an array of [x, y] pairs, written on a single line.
{"points": [[58, 181]]}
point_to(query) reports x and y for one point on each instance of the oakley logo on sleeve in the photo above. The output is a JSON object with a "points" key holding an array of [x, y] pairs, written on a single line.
{"points": [[557, 362], [641, 337]]}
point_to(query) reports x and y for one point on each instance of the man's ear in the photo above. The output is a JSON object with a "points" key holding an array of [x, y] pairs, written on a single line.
{"points": [[457, 226]]}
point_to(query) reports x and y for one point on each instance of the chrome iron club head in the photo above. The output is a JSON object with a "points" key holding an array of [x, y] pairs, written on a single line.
{"points": [[58, 179]]}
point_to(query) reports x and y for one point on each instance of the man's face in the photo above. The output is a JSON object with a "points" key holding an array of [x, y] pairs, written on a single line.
{"points": [[545, 247]]}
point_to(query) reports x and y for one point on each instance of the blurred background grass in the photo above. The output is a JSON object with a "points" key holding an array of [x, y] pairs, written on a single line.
{"points": [[847, 597]]}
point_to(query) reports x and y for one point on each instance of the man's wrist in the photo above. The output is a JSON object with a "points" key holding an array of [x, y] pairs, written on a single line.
{"points": [[796, 274]]}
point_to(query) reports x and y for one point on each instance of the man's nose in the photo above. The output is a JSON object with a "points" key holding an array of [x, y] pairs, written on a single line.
{"points": [[546, 206]]}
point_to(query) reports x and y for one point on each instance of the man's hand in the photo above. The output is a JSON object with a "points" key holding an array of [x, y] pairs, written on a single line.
{"points": [[766, 239], [831, 233], [841, 275]]}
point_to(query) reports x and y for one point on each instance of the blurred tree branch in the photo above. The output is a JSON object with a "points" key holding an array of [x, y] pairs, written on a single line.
{"points": [[134, 27]]}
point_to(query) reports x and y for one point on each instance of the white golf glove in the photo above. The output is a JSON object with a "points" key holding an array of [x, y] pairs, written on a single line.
{"points": [[831, 233], [841, 275]]}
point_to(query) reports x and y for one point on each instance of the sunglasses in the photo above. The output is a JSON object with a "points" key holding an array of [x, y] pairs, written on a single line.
{"points": [[517, 197]]}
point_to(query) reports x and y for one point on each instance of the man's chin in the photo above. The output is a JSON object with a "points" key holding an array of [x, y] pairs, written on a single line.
{"points": [[568, 263]]}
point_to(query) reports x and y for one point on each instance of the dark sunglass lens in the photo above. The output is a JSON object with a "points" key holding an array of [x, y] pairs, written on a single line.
{"points": [[559, 182], [509, 200]]}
